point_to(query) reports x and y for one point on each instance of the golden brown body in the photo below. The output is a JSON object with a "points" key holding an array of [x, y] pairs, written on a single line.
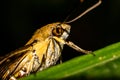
{"points": [[40, 52]]}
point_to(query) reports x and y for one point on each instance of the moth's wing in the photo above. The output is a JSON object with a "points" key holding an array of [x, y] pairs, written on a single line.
{"points": [[14, 61]]}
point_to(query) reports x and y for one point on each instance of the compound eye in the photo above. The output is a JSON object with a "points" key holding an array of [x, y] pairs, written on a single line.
{"points": [[58, 31]]}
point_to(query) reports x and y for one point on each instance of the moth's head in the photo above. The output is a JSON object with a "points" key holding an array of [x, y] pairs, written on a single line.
{"points": [[61, 30]]}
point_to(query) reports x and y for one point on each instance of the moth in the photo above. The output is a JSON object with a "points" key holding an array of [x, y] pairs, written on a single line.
{"points": [[41, 51]]}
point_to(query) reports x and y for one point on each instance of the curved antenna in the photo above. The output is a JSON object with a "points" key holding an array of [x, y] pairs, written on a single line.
{"points": [[86, 11]]}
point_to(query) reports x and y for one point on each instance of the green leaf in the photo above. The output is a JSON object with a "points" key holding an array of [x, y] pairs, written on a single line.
{"points": [[105, 65]]}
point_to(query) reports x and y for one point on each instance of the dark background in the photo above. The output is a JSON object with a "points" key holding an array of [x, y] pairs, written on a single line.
{"points": [[95, 30]]}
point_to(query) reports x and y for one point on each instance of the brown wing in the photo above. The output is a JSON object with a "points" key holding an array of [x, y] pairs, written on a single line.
{"points": [[13, 62]]}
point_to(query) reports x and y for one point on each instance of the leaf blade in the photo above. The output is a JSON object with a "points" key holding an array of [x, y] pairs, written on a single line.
{"points": [[81, 65]]}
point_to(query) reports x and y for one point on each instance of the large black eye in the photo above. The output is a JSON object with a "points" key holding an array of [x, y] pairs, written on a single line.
{"points": [[58, 31]]}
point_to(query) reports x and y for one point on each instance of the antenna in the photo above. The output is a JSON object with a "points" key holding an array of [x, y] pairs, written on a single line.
{"points": [[86, 11]]}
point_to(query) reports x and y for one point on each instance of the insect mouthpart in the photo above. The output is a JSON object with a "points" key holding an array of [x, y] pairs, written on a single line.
{"points": [[61, 30]]}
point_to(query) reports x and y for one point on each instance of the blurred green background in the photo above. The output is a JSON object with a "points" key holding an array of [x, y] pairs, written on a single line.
{"points": [[95, 30]]}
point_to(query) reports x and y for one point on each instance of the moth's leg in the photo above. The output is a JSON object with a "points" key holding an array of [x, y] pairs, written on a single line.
{"points": [[72, 45], [60, 59], [12, 78]]}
